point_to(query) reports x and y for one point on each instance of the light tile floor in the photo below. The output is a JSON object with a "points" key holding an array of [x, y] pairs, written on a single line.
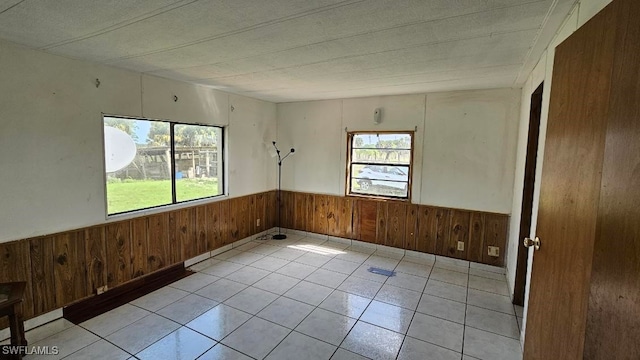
{"points": [[306, 298]]}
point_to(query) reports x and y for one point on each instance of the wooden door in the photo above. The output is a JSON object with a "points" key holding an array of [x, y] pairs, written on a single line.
{"points": [[570, 189], [613, 318]]}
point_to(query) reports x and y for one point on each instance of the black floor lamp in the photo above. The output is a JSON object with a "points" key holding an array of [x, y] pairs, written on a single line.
{"points": [[280, 235]]}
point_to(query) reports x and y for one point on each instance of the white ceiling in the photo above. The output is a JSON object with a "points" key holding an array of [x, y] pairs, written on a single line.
{"points": [[291, 50]]}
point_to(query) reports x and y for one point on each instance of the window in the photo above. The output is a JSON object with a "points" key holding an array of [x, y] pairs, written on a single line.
{"points": [[150, 163], [379, 164]]}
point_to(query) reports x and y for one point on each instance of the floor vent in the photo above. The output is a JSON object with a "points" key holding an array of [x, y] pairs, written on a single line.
{"points": [[383, 272]]}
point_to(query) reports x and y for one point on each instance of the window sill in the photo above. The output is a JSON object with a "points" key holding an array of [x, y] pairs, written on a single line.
{"points": [[378, 198], [164, 208]]}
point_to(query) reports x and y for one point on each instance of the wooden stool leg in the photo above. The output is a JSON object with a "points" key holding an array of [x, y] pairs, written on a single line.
{"points": [[20, 329], [16, 326]]}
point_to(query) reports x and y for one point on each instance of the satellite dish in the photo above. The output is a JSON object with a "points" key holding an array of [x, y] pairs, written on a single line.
{"points": [[119, 149]]}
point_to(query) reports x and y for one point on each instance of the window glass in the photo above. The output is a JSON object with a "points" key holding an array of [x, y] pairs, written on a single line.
{"points": [[140, 163], [197, 166], [379, 164]]}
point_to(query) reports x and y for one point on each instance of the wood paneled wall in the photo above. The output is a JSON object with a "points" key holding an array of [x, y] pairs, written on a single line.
{"points": [[63, 268], [423, 228]]}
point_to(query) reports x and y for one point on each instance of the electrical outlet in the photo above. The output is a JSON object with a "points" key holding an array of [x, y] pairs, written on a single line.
{"points": [[101, 289], [494, 251], [258, 223], [460, 245]]}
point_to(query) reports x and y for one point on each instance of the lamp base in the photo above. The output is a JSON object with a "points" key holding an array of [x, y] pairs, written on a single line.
{"points": [[279, 237]]}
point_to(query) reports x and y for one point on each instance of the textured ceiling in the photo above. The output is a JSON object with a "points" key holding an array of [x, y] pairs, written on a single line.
{"points": [[291, 50]]}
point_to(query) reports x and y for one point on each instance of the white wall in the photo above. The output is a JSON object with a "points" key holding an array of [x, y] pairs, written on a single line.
{"points": [[313, 129], [252, 124], [581, 13], [52, 176], [469, 149], [464, 145]]}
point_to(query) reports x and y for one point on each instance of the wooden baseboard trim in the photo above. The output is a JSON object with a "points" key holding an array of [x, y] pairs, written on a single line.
{"points": [[91, 307]]}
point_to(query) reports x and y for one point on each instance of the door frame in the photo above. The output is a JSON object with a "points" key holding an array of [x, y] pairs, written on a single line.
{"points": [[526, 210]]}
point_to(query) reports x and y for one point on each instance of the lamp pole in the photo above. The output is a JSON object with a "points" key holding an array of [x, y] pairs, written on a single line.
{"points": [[280, 235]]}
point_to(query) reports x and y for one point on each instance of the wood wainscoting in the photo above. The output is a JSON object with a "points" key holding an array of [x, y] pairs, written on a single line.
{"points": [[63, 268], [423, 228]]}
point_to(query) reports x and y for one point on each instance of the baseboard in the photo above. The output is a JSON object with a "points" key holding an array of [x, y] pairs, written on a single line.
{"points": [[120, 295]]}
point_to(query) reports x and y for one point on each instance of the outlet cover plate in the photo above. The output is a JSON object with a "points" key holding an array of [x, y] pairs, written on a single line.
{"points": [[494, 251]]}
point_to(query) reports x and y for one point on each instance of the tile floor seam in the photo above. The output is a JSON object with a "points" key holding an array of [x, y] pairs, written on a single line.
{"points": [[438, 317], [231, 306], [493, 310], [466, 307], [272, 322], [430, 343], [164, 317], [485, 291], [414, 313], [115, 331], [299, 280], [192, 292], [168, 318], [224, 337], [253, 267], [219, 342], [472, 357], [206, 351], [486, 308], [173, 303], [298, 332], [365, 309], [484, 277], [230, 347], [440, 297], [99, 338], [134, 355], [46, 337], [280, 342], [493, 332]]}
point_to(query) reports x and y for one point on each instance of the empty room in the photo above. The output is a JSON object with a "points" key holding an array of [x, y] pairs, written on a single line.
{"points": [[320, 179]]}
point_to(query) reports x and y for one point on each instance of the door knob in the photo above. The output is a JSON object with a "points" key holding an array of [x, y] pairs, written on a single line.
{"points": [[528, 242]]}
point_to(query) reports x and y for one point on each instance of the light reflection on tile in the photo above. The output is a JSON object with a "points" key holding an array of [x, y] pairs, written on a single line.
{"points": [[111, 321], [142, 333], [296, 346], [326, 326], [256, 337], [343, 303], [221, 352], [183, 343], [417, 349], [219, 321], [286, 312], [342, 354], [373, 341], [388, 316]]}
